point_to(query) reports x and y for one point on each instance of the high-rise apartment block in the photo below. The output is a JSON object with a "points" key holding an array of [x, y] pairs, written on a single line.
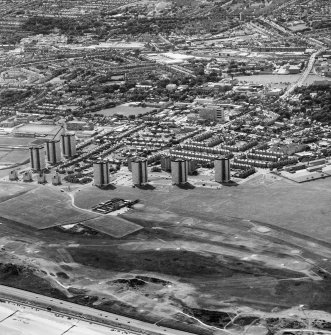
{"points": [[37, 158], [68, 145], [53, 151], [101, 173], [139, 172], [222, 170], [179, 171]]}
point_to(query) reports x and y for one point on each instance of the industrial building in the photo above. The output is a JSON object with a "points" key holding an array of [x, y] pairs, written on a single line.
{"points": [[101, 173], [222, 170], [139, 172], [53, 151], [27, 176], [56, 179], [13, 175], [37, 158], [68, 145], [179, 171]]}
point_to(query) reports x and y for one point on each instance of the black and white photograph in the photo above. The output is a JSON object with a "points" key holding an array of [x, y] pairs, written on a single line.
{"points": [[165, 167]]}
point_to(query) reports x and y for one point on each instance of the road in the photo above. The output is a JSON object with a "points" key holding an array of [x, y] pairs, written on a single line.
{"points": [[86, 313], [304, 75], [262, 31], [303, 332], [180, 69]]}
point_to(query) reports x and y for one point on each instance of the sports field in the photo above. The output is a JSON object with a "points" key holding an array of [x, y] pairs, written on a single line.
{"points": [[112, 225], [39, 129], [42, 207], [125, 110]]}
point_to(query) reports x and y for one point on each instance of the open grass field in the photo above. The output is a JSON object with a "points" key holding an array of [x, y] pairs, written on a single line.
{"points": [[13, 156], [11, 190], [4, 153], [125, 110], [301, 208], [112, 225], [30, 128], [274, 79], [8, 140], [41, 208]]}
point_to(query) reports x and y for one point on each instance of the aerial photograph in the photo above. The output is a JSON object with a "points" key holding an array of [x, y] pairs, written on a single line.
{"points": [[165, 167]]}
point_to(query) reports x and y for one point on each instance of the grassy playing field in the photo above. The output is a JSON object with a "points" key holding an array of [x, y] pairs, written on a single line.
{"points": [[42, 207], [12, 190], [13, 156], [112, 225]]}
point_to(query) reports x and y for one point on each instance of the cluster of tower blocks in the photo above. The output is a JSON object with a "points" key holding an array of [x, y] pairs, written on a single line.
{"points": [[179, 168], [54, 151]]}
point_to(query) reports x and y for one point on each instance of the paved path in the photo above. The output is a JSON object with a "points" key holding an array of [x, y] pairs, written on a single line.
{"points": [[86, 313]]}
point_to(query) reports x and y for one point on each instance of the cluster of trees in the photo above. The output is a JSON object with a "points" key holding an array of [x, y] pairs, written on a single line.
{"points": [[47, 25], [11, 38], [245, 173], [77, 178], [318, 104], [9, 97], [152, 26], [292, 148]]}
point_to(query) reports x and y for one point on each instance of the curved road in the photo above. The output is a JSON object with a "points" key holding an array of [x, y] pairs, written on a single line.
{"points": [[304, 75], [86, 313]]}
